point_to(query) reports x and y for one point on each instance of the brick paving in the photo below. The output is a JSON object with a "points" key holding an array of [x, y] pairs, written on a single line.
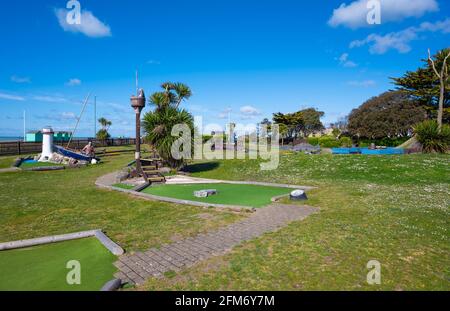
{"points": [[137, 267]]}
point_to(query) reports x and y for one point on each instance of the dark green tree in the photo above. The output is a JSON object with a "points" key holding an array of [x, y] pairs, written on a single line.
{"points": [[292, 121], [158, 123], [424, 85], [392, 114], [311, 121], [103, 133]]}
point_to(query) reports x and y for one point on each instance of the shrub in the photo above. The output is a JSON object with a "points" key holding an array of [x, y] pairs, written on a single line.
{"points": [[345, 141], [427, 133], [103, 134], [386, 141], [313, 141], [158, 126], [328, 142]]}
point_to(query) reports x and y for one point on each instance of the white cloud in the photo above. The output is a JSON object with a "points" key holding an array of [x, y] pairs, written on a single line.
{"points": [[50, 99], [68, 115], [354, 14], [249, 112], [400, 40], [225, 113], [58, 116], [18, 79], [364, 83], [90, 25], [346, 62], [73, 82], [11, 97]]}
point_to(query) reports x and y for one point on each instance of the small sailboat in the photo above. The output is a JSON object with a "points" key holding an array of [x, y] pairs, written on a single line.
{"points": [[73, 154]]}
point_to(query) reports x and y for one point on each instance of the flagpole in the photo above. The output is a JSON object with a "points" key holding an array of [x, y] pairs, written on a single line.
{"points": [[95, 116], [24, 126]]}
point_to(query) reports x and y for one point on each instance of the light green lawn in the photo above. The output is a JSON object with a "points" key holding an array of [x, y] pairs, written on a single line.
{"points": [[37, 204], [6, 162], [394, 209], [44, 267], [230, 194]]}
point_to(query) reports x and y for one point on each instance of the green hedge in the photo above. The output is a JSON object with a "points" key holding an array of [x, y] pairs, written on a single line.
{"points": [[313, 141], [345, 141], [388, 142], [329, 142]]}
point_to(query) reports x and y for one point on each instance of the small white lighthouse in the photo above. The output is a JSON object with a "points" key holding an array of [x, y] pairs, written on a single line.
{"points": [[47, 144]]}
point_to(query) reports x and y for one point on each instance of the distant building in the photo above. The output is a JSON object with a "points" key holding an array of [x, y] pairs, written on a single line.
{"points": [[37, 136], [34, 137], [325, 132], [62, 136]]}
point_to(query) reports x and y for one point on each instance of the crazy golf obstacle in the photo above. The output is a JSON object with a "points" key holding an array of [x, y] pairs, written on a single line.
{"points": [[58, 155]]}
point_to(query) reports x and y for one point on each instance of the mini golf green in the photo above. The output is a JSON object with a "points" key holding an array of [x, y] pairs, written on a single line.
{"points": [[43, 267], [229, 194], [38, 164]]}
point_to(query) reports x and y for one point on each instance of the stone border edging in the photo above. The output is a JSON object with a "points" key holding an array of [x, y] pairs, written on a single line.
{"points": [[9, 170], [107, 242], [237, 208], [43, 168], [108, 180], [112, 285]]}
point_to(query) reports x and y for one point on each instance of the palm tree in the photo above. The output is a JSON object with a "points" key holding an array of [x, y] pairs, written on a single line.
{"points": [[183, 92], [158, 126], [104, 123], [103, 134], [158, 123], [161, 100], [172, 95]]}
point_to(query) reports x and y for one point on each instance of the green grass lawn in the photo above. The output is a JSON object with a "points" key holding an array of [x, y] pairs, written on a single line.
{"points": [[35, 204], [394, 209], [230, 194], [7, 162], [43, 267]]}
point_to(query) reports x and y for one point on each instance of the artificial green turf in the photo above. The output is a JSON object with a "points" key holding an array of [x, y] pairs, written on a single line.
{"points": [[124, 186], [230, 194], [394, 209], [44, 267], [77, 205], [38, 164]]}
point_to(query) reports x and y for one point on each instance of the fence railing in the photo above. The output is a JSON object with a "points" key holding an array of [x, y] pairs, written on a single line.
{"points": [[20, 147]]}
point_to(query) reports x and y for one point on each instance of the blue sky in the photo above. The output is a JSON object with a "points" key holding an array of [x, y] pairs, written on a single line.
{"points": [[252, 58]]}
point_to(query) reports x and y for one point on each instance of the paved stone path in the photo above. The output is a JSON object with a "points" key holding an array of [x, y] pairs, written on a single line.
{"points": [[136, 268]]}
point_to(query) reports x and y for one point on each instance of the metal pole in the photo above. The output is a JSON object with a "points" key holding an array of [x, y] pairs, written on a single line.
{"points": [[95, 117], [138, 103], [138, 142], [137, 82], [24, 126]]}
